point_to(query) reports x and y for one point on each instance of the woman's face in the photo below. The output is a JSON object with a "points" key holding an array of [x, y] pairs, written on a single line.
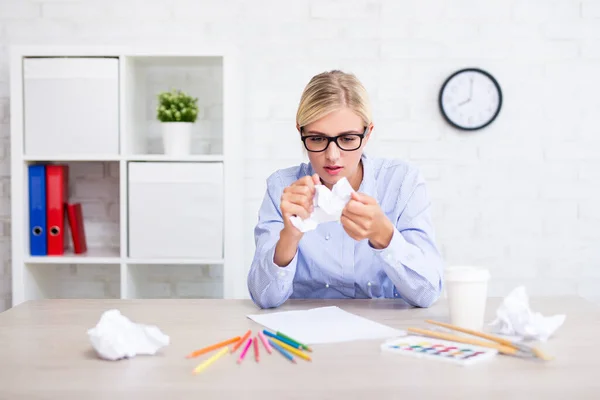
{"points": [[334, 163]]}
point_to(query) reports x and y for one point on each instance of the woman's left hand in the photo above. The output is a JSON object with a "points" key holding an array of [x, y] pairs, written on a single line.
{"points": [[362, 218]]}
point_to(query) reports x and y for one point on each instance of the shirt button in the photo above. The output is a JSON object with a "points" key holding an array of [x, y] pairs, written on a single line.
{"points": [[327, 285], [368, 283], [327, 237], [281, 273]]}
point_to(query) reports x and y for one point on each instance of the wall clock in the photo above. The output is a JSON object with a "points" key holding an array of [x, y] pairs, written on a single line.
{"points": [[470, 99]]}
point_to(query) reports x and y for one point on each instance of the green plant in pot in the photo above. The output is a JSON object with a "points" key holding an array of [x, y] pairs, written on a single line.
{"points": [[177, 111]]}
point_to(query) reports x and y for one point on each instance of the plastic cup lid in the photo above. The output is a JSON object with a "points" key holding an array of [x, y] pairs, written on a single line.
{"points": [[466, 274]]}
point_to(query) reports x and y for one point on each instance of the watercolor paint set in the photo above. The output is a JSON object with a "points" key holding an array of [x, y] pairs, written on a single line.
{"points": [[438, 349]]}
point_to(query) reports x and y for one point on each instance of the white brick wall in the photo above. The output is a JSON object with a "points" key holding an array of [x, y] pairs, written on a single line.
{"points": [[520, 197]]}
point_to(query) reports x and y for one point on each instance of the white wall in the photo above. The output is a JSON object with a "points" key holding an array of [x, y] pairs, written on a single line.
{"points": [[521, 197]]}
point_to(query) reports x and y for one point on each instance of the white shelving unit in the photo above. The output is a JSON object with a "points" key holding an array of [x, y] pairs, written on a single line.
{"points": [[60, 94]]}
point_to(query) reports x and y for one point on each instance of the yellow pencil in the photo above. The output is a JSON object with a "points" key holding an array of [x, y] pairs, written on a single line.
{"points": [[215, 357], [291, 349]]}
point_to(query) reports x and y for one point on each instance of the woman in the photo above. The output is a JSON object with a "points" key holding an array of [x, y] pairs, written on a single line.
{"points": [[382, 247]]}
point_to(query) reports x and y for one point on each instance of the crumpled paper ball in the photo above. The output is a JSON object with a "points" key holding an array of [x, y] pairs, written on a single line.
{"points": [[515, 318], [328, 205], [115, 337]]}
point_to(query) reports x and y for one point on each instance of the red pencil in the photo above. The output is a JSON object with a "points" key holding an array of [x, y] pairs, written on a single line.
{"points": [[256, 349]]}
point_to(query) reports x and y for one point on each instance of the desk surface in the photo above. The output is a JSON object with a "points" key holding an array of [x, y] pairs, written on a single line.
{"points": [[45, 353]]}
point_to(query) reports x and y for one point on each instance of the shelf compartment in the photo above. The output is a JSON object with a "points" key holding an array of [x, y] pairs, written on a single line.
{"points": [[71, 105], [94, 184], [154, 281], [175, 210], [145, 77], [72, 281]]}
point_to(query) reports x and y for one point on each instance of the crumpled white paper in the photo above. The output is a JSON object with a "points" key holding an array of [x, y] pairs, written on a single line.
{"points": [[115, 337], [515, 318], [328, 205]]}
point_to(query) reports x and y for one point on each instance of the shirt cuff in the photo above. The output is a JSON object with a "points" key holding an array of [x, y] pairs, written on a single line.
{"points": [[283, 275], [399, 251]]}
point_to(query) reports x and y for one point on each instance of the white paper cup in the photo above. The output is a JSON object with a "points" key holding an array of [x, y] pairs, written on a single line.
{"points": [[466, 289]]}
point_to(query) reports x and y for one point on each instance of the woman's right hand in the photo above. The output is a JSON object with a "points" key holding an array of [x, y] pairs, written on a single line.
{"points": [[297, 199]]}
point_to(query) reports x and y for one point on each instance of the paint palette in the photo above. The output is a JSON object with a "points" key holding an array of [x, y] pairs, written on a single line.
{"points": [[438, 349]]}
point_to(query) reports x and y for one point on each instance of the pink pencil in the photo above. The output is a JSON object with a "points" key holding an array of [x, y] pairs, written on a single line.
{"points": [[264, 340], [244, 351]]}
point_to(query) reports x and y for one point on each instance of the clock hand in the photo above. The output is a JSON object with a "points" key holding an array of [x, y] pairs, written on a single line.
{"points": [[464, 102], [471, 89]]}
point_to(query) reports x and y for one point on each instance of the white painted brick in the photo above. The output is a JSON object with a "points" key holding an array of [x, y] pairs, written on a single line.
{"points": [[473, 10], [18, 9], [206, 10], [94, 211], [419, 12], [342, 50], [361, 10], [142, 9], [445, 31], [589, 171], [509, 30], [112, 169], [96, 189], [76, 10], [89, 170], [571, 151], [573, 30], [590, 49], [532, 11], [567, 191], [4, 111], [590, 210], [442, 151], [544, 50], [114, 211], [412, 49], [285, 11], [590, 9], [511, 152]]}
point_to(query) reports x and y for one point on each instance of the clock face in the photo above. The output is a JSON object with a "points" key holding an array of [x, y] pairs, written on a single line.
{"points": [[470, 99]]}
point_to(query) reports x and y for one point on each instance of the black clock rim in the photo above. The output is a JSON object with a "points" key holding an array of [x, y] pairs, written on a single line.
{"points": [[460, 71]]}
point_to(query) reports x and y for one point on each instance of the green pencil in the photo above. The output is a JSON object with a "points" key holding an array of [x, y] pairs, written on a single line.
{"points": [[305, 347]]}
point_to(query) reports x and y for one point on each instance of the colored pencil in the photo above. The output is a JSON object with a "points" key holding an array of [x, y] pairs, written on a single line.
{"points": [[212, 347], [256, 349], [284, 340], [244, 351], [292, 350], [282, 351], [241, 341], [201, 367], [303, 346], [265, 343]]}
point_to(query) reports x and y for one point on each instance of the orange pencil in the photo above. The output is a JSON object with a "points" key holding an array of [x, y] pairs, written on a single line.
{"points": [[212, 347], [256, 349], [241, 341]]}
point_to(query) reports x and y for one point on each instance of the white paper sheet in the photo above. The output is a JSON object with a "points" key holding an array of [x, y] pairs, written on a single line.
{"points": [[324, 325]]}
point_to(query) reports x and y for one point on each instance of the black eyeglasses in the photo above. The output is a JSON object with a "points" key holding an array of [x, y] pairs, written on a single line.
{"points": [[345, 141]]}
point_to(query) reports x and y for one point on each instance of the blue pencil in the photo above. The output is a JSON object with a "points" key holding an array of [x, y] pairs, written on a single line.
{"points": [[282, 351], [282, 339]]}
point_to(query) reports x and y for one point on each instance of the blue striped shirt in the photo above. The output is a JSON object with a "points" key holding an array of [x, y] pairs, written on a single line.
{"points": [[329, 264]]}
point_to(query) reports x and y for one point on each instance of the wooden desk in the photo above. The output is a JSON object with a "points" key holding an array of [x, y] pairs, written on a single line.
{"points": [[45, 353]]}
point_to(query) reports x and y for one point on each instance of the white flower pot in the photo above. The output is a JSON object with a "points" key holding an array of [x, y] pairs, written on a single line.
{"points": [[177, 138]]}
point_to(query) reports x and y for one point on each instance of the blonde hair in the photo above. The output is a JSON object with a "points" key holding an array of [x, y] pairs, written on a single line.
{"points": [[331, 91]]}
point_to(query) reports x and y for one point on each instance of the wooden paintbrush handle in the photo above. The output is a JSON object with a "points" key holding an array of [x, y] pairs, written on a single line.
{"points": [[456, 338], [472, 332]]}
